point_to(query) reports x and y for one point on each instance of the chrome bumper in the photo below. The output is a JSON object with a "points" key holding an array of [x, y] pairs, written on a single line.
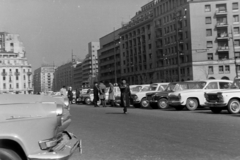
{"points": [[175, 103], [63, 153], [215, 104]]}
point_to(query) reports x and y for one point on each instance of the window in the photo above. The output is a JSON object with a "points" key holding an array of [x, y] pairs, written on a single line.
{"points": [[221, 7], [235, 18], [236, 30], [238, 68], [209, 44], [212, 85], [210, 70], [209, 32], [224, 85], [220, 69], [207, 8], [237, 55], [208, 20], [227, 69], [186, 34], [4, 78], [210, 56], [17, 85], [4, 85], [235, 6], [237, 43]]}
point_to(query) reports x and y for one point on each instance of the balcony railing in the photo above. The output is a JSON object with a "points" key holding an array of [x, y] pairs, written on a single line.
{"points": [[221, 12], [221, 24], [223, 48], [222, 36]]}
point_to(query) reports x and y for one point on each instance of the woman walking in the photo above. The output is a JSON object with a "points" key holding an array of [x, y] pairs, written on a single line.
{"points": [[125, 95]]}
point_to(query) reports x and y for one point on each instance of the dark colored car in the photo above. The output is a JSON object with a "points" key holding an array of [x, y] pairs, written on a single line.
{"points": [[160, 99]]}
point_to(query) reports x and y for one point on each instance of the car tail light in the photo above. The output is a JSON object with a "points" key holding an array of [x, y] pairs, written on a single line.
{"points": [[59, 110]]}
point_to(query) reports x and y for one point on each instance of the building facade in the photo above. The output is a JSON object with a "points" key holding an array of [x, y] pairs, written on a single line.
{"points": [[43, 78], [138, 47], [16, 72], [109, 57], [196, 39], [90, 65], [77, 76]]}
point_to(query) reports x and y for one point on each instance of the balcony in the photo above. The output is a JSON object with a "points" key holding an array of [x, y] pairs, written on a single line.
{"points": [[4, 74], [17, 73], [222, 36], [223, 49], [221, 12], [221, 24]]}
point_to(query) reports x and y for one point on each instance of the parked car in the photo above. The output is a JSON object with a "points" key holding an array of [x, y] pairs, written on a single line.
{"points": [[160, 99], [140, 99], [193, 98], [34, 127], [139, 88], [86, 98], [225, 99]]}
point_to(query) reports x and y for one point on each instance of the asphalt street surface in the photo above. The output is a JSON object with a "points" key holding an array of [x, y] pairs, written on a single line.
{"points": [[147, 134]]}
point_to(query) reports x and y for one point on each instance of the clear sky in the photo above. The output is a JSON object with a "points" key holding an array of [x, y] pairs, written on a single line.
{"points": [[51, 29]]}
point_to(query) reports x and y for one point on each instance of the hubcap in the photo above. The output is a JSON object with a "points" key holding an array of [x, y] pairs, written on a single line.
{"points": [[234, 107], [163, 104], [192, 104], [144, 103]]}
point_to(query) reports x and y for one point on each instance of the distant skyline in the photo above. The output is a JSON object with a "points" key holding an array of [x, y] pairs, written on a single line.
{"points": [[51, 29]]}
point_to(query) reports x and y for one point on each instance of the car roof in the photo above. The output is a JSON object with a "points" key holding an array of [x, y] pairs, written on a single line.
{"points": [[212, 80], [160, 83]]}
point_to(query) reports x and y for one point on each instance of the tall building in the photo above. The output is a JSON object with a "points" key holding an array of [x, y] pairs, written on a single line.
{"points": [[63, 76], [197, 39], [109, 57], [77, 76], [90, 65], [16, 72], [138, 47], [43, 78]]}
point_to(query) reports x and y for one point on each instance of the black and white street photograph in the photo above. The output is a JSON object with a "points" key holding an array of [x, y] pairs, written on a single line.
{"points": [[119, 80]]}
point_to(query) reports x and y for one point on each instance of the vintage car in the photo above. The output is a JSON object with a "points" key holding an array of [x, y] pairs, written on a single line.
{"points": [[139, 88], [33, 127], [86, 98], [194, 97], [225, 99], [160, 99], [139, 98]]}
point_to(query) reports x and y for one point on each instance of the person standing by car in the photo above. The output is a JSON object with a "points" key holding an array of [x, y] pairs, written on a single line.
{"points": [[102, 91], [95, 94], [125, 95], [77, 94], [111, 94], [70, 95], [63, 91]]}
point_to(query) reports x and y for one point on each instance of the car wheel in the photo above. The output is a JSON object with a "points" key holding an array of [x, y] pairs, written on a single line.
{"points": [[192, 104], [144, 103], [162, 103], [179, 108], [8, 154], [233, 106], [87, 101], [216, 110]]}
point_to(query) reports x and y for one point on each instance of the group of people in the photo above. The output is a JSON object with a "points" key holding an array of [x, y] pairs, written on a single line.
{"points": [[67, 93], [99, 91]]}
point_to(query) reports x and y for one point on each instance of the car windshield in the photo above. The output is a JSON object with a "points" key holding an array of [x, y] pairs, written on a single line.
{"points": [[146, 88], [136, 89]]}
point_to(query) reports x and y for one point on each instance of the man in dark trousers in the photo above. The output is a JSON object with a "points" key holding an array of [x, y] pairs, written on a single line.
{"points": [[125, 95], [70, 95], [102, 91], [95, 94]]}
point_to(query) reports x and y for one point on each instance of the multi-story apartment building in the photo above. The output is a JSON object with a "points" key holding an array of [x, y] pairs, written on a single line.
{"points": [[109, 57], [77, 76], [90, 65], [63, 76], [197, 39], [16, 72], [138, 47], [43, 78]]}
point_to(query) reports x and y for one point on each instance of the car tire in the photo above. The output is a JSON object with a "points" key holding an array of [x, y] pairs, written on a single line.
{"points": [[179, 108], [87, 101], [162, 103], [8, 154], [144, 103], [216, 110], [233, 106], [192, 104]]}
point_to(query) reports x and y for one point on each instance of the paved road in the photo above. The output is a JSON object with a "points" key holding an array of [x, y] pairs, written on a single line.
{"points": [[144, 134]]}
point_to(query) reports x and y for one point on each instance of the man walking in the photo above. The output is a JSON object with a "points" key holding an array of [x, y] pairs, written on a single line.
{"points": [[95, 94], [102, 91], [70, 95], [125, 95]]}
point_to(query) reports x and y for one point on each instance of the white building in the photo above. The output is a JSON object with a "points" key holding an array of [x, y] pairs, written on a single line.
{"points": [[16, 72]]}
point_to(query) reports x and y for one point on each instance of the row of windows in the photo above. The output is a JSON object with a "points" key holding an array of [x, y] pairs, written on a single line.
{"points": [[221, 69], [222, 20], [11, 87], [17, 78], [221, 7]]}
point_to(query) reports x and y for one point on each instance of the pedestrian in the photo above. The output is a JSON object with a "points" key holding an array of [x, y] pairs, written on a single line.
{"points": [[95, 94], [111, 97], [70, 95], [125, 95], [102, 91], [63, 91], [77, 94]]}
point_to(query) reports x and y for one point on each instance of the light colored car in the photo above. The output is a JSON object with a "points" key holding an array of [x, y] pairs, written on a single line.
{"points": [[139, 98], [86, 98], [33, 127], [193, 98], [226, 99]]}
